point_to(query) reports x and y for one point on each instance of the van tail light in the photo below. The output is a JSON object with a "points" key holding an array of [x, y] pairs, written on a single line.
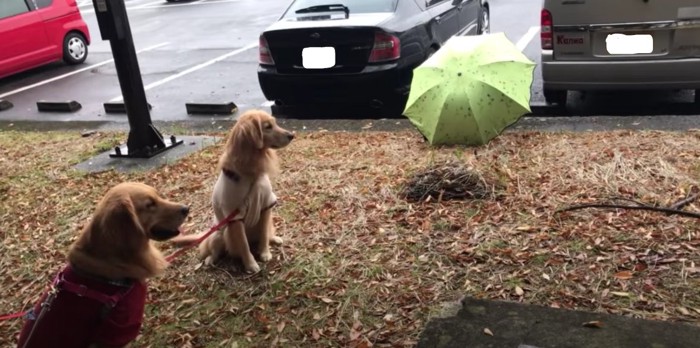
{"points": [[264, 54], [546, 30], [386, 47]]}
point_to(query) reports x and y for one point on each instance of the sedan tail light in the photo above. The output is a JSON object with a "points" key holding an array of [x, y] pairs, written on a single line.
{"points": [[546, 29], [386, 47], [264, 54]]}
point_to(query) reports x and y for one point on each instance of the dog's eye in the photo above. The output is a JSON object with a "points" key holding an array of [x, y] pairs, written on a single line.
{"points": [[150, 204], [268, 125]]}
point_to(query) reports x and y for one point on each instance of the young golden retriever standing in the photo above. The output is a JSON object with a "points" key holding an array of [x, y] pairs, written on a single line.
{"points": [[98, 299], [245, 166]]}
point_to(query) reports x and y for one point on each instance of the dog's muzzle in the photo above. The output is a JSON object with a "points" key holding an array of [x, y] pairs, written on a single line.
{"points": [[162, 234]]}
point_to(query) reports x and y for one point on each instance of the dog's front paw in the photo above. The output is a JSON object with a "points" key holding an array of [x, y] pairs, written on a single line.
{"points": [[209, 261], [265, 256], [252, 268], [276, 240]]}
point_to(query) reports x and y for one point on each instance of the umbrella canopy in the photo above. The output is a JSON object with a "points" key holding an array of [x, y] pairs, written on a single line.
{"points": [[470, 90]]}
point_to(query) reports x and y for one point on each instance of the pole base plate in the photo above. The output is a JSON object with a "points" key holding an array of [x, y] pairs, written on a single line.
{"points": [[122, 151]]}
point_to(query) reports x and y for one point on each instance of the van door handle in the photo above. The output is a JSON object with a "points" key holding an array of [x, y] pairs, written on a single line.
{"points": [[438, 19]]}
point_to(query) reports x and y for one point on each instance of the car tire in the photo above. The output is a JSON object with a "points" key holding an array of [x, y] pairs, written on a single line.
{"points": [[484, 21], [75, 48], [552, 96], [431, 51], [394, 106]]}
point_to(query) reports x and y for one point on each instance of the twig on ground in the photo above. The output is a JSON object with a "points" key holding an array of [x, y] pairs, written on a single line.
{"points": [[636, 203], [683, 202], [630, 207]]}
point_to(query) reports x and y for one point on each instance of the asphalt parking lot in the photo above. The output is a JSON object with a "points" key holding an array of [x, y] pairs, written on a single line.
{"points": [[205, 51]]}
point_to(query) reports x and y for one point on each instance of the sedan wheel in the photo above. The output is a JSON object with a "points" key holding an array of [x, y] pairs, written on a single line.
{"points": [[75, 49], [555, 97], [484, 21]]}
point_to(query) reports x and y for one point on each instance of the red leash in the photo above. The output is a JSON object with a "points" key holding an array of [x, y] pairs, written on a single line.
{"points": [[168, 258], [217, 227], [12, 316]]}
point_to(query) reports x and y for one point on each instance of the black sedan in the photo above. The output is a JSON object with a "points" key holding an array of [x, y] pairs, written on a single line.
{"points": [[358, 51]]}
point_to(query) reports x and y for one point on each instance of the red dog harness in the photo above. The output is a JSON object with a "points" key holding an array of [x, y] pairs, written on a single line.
{"points": [[80, 310]]}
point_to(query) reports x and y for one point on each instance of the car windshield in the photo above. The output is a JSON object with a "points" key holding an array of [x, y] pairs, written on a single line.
{"points": [[354, 6]]}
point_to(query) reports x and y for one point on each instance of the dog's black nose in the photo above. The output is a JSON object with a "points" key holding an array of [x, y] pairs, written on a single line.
{"points": [[185, 210], [290, 136]]}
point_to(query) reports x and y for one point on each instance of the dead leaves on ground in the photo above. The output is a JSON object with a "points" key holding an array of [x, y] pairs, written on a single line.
{"points": [[361, 266]]}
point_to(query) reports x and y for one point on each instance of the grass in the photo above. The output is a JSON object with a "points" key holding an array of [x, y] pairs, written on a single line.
{"points": [[360, 265]]}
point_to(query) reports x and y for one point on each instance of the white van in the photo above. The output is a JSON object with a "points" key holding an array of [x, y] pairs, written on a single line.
{"points": [[619, 44]]}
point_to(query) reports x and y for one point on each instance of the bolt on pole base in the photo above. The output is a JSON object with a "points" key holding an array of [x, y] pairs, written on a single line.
{"points": [[148, 152]]}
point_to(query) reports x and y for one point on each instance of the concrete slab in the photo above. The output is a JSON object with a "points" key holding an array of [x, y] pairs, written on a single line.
{"points": [[518, 325], [103, 162]]}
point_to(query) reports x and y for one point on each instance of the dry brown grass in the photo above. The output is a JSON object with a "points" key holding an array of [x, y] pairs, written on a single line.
{"points": [[363, 267]]}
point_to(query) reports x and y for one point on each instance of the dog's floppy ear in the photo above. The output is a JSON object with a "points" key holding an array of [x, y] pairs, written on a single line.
{"points": [[115, 223], [249, 132]]}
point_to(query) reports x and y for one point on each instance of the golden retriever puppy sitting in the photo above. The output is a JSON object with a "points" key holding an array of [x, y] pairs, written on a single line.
{"points": [[98, 298], [245, 166]]}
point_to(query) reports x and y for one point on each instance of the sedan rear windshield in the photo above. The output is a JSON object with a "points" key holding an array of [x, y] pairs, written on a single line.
{"points": [[355, 6]]}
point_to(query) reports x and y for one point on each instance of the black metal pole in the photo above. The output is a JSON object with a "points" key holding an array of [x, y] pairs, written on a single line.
{"points": [[144, 139]]}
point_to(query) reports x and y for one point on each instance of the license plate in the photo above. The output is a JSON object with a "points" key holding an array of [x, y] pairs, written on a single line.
{"points": [[629, 44], [318, 57]]}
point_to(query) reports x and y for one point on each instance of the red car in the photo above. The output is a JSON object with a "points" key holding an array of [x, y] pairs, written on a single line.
{"points": [[38, 32]]}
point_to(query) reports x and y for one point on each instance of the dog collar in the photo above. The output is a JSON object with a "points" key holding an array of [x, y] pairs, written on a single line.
{"points": [[231, 174], [126, 282]]}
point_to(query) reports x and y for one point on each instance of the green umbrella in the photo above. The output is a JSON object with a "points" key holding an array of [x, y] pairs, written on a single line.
{"points": [[470, 90]]}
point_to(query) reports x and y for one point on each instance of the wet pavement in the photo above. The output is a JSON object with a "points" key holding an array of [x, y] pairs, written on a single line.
{"points": [[205, 51]]}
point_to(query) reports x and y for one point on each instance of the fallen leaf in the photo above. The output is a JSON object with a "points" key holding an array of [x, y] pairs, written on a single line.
{"points": [[545, 276], [620, 294], [593, 324], [326, 300], [519, 291], [683, 311], [488, 332], [623, 275]]}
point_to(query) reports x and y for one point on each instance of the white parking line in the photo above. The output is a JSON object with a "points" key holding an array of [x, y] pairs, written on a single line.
{"points": [[74, 72], [194, 3], [148, 4], [192, 69], [525, 40], [85, 3], [161, 5]]}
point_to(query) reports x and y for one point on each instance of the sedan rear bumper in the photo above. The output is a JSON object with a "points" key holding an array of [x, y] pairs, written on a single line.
{"points": [[374, 82], [629, 74]]}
